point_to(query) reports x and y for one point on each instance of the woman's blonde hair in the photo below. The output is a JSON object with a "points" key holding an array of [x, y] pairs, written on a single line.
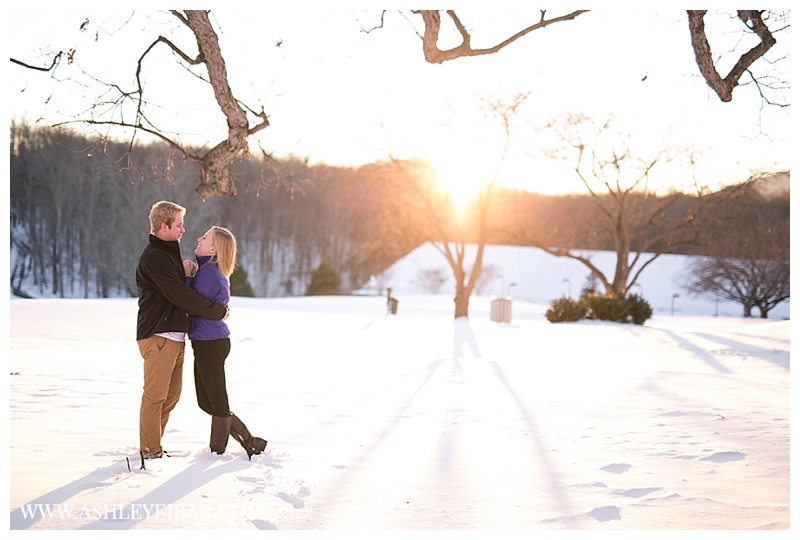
{"points": [[225, 246], [164, 212]]}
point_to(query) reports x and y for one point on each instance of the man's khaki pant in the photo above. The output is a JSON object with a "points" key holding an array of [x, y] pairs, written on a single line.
{"points": [[163, 378]]}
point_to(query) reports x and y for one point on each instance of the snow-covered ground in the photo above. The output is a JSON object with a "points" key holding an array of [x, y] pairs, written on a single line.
{"points": [[409, 422]]}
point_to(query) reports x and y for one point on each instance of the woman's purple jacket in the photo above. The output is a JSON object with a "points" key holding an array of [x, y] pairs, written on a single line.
{"points": [[210, 283]]}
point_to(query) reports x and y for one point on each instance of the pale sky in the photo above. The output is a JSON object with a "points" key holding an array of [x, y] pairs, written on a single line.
{"points": [[340, 95]]}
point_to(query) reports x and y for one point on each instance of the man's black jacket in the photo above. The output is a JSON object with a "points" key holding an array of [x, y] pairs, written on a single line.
{"points": [[164, 297]]}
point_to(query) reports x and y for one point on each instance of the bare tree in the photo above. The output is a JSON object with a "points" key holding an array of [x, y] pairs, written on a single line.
{"points": [[749, 280], [627, 211], [433, 216], [750, 268], [453, 231], [467, 278], [431, 280]]}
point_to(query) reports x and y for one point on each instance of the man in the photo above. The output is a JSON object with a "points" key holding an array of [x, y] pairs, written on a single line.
{"points": [[162, 323]]}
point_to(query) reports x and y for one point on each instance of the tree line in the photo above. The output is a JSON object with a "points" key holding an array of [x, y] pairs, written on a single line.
{"points": [[79, 217], [79, 209]]}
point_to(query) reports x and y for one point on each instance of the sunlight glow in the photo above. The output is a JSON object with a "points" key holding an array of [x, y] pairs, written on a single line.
{"points": [[462, 180]]}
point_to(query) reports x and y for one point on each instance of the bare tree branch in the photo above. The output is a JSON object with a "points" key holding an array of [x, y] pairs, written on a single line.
{"points": [[53, 65], [705, 60], [434, 55]]}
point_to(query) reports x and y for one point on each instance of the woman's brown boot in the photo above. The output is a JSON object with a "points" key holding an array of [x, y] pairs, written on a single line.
{"points": [[220, 429]]}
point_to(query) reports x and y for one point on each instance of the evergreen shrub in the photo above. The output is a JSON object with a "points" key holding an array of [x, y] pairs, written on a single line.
{"points": [[608, 307], [324, 280], [640, 309], [240, 285], [566, 310]]}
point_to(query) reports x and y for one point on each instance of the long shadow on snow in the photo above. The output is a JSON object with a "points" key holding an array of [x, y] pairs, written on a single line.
{"points": [[696, 350], [464, 336], [176, 487], [554, 482], [31, 512], [168, 492], [779, 358]]}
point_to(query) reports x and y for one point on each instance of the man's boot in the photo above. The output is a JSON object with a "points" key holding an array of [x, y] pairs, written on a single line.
{"points": [[220, 428], [252, 445]]}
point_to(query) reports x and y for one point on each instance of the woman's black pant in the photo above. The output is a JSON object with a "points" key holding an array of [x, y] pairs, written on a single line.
{"points": [[209, 375]]}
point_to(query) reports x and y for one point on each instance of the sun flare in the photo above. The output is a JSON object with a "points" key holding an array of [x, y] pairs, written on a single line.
{"points": [[461, 181]]}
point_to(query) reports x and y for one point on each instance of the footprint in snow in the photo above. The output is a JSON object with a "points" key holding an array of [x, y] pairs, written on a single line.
{"points": [[636, 492], [263, 525], [606, 513], [295, 500], [616, 468], [724, 457]]}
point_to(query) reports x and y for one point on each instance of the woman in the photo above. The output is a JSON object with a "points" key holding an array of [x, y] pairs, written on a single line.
{"points": [[216, 256]]}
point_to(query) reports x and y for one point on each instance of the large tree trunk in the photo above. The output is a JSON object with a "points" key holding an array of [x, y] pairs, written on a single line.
{"points": [[461, 301], [216, 162]]}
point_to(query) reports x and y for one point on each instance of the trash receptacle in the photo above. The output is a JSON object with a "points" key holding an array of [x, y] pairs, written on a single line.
{"points": [[500, 309], [393, 305]]}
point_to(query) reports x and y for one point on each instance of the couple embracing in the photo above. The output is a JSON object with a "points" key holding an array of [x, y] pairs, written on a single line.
{"points": [[177, 298]]}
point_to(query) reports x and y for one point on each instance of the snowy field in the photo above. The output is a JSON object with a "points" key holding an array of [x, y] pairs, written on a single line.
{"points": [[410, 422]]}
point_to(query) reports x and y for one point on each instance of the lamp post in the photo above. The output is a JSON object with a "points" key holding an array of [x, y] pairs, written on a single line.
{"points": [[569, 287], [674, 296]]}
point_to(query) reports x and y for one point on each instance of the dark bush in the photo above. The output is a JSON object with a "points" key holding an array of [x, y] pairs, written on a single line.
{"points": [[566, 310], [324, 280], [240, 285], [640, 309], [609, 307]]}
